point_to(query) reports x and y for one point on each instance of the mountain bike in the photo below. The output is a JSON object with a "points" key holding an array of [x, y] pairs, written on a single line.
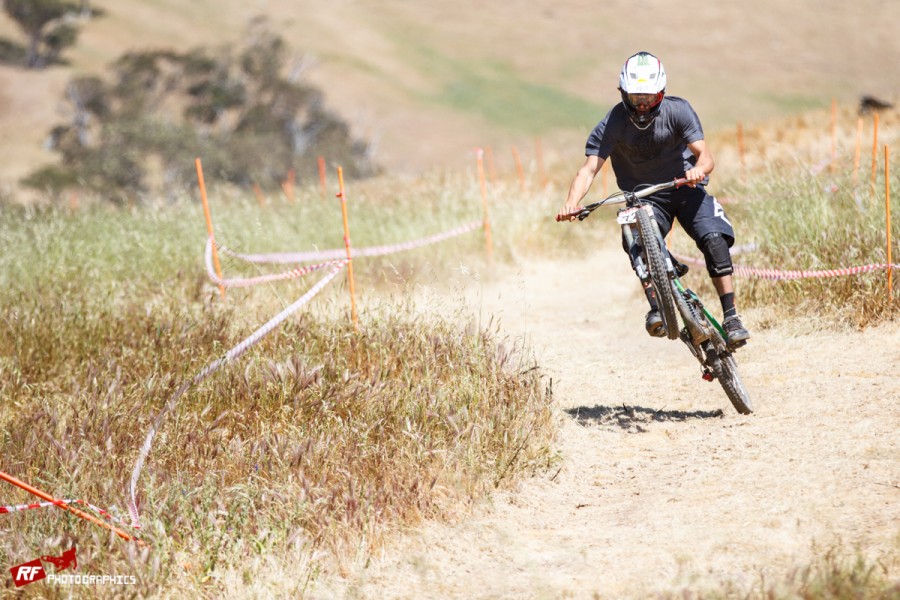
{"points": [[654, 266]]}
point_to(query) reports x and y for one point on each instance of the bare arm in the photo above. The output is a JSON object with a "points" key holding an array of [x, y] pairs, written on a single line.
{"points": [[705, 162], [580, 185]]}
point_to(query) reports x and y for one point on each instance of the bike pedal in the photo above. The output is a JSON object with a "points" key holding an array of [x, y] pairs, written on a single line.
{"points": [[735, 345]]}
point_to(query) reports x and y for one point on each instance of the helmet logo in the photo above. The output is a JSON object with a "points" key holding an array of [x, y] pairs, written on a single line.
{"points": [[643, 60]]}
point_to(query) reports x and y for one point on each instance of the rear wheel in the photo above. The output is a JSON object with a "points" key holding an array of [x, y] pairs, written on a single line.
{"points": [[659, 275], [728, 376]]}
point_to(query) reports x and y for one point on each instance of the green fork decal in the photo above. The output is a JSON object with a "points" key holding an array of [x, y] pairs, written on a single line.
{"points": [[706, 313]]}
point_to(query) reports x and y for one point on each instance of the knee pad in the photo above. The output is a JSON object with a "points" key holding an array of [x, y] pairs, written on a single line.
{"points": [[718, 257]]}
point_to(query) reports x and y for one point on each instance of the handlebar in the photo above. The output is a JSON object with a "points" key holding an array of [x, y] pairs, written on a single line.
{"points": [[620, 197]]}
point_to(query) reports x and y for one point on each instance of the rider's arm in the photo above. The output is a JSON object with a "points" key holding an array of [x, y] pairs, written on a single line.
{"points": [[580, 185], [704, 165]]}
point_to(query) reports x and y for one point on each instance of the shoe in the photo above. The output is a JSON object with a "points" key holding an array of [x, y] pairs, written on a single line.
{"points": [[681, 269], [654, 323], [735, 330]]}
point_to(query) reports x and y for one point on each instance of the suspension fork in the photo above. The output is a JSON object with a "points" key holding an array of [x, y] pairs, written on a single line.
{"points": [[636, 256]]}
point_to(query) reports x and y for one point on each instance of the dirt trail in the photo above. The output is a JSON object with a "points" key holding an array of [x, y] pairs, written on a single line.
{"points": [[663, 486]]}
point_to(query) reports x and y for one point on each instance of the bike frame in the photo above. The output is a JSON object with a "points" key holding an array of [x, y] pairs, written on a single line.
{"points": [[701, 333], [706, 313]]}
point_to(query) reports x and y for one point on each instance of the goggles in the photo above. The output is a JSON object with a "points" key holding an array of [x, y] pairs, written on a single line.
{"points": [[644, 101]]}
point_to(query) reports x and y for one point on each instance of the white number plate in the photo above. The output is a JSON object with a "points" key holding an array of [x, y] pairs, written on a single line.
{"points": [[629, 215]]}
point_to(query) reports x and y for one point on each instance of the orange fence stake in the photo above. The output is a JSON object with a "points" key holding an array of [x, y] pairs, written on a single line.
{"points": [[519, 170], [78, 513], [259, 195], [874, 150], [887, 213], [740, 135], [343, 197], [492, 172], [209, 224], [857, 153], [487, 219], [288, 185], [321, 162]]}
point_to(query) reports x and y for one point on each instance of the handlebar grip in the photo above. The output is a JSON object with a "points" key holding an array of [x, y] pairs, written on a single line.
{"points": [[576, 214]]}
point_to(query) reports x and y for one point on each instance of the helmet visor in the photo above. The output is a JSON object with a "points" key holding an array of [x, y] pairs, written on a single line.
{"points": [[644, 102]]}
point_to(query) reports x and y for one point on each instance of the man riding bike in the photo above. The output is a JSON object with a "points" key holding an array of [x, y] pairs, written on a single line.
{"points": [[653, 138]]}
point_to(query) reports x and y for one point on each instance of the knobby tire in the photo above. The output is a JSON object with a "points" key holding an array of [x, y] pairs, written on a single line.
{"points": [[659, 275], [731, 382]]}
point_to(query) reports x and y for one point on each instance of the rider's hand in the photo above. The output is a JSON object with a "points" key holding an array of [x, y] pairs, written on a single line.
{"points": [[567, 212], [694, 176]]}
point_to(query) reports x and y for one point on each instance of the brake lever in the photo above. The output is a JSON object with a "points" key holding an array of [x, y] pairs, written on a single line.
{"points": [[582, 213]]}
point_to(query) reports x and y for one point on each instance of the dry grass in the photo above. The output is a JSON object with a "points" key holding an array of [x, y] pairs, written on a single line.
{"points": [[303, 455]]}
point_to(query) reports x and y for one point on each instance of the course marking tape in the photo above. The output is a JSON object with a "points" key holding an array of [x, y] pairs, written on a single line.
{"points": [[779, 275], [96, 509], [211, 368], [248, 281]]}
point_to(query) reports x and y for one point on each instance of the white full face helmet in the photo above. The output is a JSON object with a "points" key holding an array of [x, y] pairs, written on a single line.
{"points": [[642, 84]]}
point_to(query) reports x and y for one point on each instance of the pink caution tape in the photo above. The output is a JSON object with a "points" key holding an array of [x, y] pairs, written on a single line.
{"points": [[248, 281], [780, 275], [211, 368], [803, 274], [23, 507]]}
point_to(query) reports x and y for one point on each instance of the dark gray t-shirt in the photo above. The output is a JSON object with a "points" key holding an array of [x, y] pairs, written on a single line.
{"points": [[654, 155]]}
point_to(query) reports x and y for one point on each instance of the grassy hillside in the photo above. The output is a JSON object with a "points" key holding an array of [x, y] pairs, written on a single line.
{"points": [[428, 81]]}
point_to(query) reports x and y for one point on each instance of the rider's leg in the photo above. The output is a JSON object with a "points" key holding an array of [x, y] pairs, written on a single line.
{"points": [[731, 322], [725, 288], [707, 224]]}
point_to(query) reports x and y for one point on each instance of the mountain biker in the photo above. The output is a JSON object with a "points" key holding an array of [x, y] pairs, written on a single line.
{"points": [[652, 138]]}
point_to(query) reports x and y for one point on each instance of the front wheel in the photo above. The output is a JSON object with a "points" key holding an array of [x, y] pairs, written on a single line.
{"points": [[651, 240], [728, 376]]}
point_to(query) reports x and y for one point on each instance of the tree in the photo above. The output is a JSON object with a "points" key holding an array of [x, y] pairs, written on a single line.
{"points": [[163, 108], [43, 21]]}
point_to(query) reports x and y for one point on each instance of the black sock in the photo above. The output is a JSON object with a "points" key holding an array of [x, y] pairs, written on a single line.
{"points": [[728, 308]]}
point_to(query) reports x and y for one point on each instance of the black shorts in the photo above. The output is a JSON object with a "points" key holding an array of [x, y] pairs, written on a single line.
{"points": [[696, 211]]}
